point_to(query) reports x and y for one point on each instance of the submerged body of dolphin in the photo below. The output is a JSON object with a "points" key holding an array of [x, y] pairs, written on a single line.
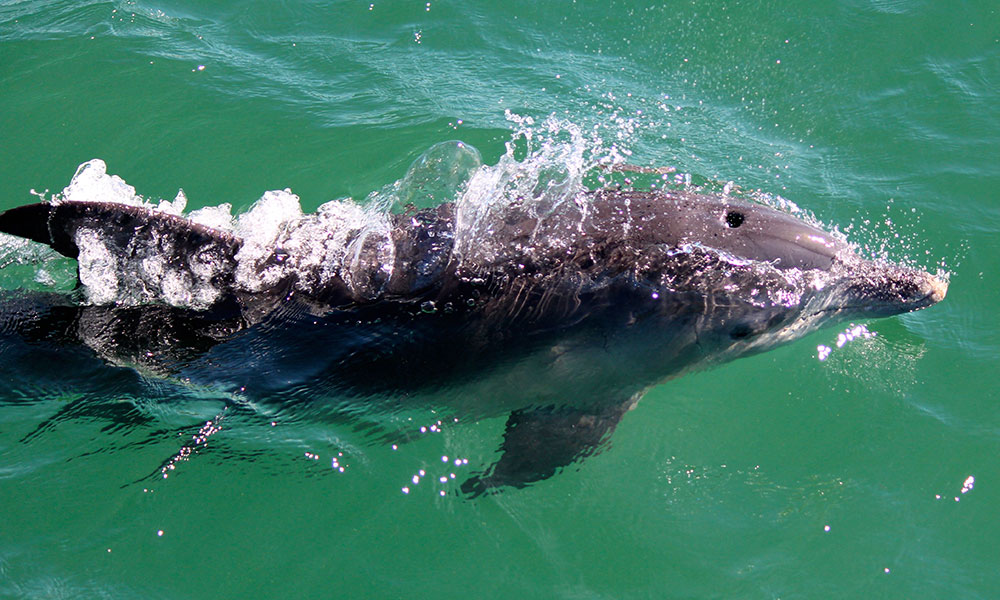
{"points": [[560, 317]]}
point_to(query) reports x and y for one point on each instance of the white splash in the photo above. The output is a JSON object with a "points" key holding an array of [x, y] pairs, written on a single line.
{"points": [[260, 228], [549, 178], [98, 268], [967, 485], [851, 334], [91, 183]]}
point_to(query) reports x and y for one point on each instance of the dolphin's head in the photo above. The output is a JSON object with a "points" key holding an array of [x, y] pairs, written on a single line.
{"points": [[737, 277], [754, 240], [855, 286], [858, 287], [741, 230]]}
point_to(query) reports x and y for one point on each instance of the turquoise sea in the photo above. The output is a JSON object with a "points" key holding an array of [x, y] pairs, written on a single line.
{"points": [[872, 473]]}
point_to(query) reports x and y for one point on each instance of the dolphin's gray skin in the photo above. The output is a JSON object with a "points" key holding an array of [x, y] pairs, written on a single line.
{"points": [[562, 318]]}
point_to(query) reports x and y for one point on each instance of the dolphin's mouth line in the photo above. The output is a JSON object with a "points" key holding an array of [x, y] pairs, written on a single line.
{"points": [[922, 302]]}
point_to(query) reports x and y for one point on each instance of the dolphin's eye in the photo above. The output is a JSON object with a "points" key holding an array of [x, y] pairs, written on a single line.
{"points": [[734, 219]]}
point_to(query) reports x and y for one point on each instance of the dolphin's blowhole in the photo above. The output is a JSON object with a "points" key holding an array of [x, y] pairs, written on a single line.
{"points": [[734, 218]]}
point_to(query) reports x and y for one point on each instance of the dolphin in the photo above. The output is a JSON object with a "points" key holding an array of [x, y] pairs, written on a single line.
{"points": [[560, 316]]}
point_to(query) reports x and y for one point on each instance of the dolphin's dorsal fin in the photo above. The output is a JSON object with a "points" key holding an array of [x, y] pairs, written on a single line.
{"points": [[538, 442], [30, 222], [55, 224]]}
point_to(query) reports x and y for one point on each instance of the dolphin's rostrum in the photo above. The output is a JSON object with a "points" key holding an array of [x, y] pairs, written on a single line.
{"points": [[561, 317]]}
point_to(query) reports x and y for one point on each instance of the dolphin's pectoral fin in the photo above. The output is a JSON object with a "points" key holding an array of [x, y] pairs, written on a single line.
{"points": [[539, 442]]}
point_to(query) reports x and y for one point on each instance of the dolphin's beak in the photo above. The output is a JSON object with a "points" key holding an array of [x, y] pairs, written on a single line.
{"points": [[878, 288], [937, 289]]}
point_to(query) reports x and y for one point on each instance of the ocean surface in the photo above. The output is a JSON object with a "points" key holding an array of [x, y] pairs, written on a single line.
{"points": [[858, 462]]}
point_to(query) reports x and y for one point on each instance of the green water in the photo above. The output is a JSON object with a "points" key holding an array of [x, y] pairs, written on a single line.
{"points": [[882, 117]]}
